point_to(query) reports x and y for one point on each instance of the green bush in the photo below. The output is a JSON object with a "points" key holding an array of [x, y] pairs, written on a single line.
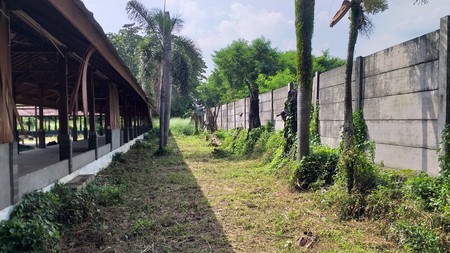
{"points": [[356, 171], [432, 193], [34, 235], [37, 221], [417, 237], [317, 169], [43, 205], [118, 158]]}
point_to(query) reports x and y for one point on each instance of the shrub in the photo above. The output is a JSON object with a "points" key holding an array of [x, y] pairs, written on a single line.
{"points": [[43, 205], [417, 237], [118, 158], [432, 193], [317, 169], [356, 171], [34, 235], [37, 221]]}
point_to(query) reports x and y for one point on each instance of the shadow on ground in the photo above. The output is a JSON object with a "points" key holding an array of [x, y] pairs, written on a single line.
{"points": [[163, 209]]}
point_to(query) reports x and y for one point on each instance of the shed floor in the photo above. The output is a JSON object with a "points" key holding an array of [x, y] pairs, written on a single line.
{"points": [[40, 158]]}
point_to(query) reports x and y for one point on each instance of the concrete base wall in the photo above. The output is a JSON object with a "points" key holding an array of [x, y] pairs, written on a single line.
{"points": [[45, 179], [5, 185], [103, 150], [83, 159], [42, 178]]}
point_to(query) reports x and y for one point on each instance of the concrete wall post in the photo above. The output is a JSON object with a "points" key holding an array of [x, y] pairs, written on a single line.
{"points": [[245, 113], [272, 116], [234, 113], [316, 83], [226, 110], [444, 77]]}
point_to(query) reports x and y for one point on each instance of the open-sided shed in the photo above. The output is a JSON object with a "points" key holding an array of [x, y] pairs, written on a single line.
{"points": [[53, 54]]}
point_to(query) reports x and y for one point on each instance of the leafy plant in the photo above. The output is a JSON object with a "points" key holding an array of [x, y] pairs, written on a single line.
{"points": [[417, 237], [118, 158], [33, 235], [356, 171], [317, 169], [314, 125]]}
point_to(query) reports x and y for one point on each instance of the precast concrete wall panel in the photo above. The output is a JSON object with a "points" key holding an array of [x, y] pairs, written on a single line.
{"points": [[422, 49], [421, 106], [421, 77]]}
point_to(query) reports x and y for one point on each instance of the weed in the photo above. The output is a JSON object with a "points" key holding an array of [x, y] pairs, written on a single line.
{"points": [[314, 125], [317, 169], [417, 237], [118, 158], [356, 171]]}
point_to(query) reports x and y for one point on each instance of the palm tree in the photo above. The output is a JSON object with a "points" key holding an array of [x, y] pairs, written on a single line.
{"points": [[304, 23], [359, 22], [167, 59]]}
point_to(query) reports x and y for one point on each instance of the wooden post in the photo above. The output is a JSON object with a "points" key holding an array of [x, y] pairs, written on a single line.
{"points": [[65, 143], [93, 138], [41, 119], [108, 131], [74, 124]]}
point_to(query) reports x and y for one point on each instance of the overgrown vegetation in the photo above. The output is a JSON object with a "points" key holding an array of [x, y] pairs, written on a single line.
{"points": [[38, 221], [413, 207]]}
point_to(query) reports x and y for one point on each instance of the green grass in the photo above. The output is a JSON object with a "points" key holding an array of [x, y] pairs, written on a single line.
{"points": [[189, 200]]}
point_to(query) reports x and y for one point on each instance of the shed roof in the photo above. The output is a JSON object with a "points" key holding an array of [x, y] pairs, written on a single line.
{"points": [[41, 30]]}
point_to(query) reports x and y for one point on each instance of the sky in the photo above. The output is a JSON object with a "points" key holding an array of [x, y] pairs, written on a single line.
{"points": [[214, 24]]}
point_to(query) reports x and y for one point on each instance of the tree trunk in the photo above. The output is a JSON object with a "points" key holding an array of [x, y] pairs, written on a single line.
{"points": [[253, 117], [166, 89], [304, 26], [348, 110]]}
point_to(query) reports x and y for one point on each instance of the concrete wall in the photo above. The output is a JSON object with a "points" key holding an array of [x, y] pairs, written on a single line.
{"points": [[83, 159], [271, 104], [5, 186], [43, 177], [399, 96], [402, 91], [103, 150]]}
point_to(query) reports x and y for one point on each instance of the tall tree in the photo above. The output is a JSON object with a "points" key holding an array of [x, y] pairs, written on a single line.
{"points": [[241, 63], [359, 23], [126, 42], [170, 58], [304, 27]]}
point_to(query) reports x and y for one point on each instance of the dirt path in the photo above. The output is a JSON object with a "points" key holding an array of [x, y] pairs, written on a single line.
{"points": [[190, 201]]}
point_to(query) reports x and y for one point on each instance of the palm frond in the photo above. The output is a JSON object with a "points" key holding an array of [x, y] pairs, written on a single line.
{"points": [[138, 13]]}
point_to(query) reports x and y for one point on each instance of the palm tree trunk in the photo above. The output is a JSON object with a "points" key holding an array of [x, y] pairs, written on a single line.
{"points": [[166, 89], [253, 117], [304, 23], [348, 110]]}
